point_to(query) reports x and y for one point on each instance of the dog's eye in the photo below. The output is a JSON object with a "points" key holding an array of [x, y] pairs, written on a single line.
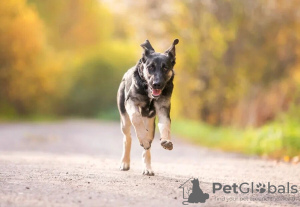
{"points": [[150, 68], [166, 69]]}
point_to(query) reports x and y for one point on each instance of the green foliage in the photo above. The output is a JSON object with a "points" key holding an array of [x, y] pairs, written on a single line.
{"points": [[94, 85], [109, 114], [92, 88], [276, 139]]}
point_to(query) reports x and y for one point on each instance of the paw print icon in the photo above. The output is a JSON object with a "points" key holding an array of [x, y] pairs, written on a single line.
{"points": [[261, 188]]}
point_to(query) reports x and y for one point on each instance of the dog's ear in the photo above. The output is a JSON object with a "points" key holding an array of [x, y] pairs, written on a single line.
{"points": [[148, 49], [171, 51]]}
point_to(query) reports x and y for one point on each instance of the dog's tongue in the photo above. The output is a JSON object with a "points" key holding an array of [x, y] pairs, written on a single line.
{"points": [[156, 92]]}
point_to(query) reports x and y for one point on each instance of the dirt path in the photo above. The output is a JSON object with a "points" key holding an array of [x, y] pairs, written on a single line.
{"points": [[75, 163]]}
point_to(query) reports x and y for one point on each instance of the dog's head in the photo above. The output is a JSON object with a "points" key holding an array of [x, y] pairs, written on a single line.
{"points": [[157, 68]]}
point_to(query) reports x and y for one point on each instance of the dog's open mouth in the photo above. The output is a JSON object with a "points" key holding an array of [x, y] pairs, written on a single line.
{"points": [[156, 92]]}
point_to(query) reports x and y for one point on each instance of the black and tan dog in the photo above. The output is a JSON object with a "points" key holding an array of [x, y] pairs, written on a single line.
{"points": [[145, 91]]}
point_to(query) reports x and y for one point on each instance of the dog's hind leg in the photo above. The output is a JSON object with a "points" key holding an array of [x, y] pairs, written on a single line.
{"points": [[125, 127]]}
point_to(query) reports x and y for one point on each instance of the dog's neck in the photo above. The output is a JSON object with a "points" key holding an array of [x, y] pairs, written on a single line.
{"points": [[141, 75]]}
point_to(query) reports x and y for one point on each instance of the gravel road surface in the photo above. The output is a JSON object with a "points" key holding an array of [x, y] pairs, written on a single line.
{"points": [[76, 163]]}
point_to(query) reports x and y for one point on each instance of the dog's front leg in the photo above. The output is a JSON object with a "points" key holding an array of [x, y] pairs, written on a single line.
{"points": [[147, 163], [163, 107], [140, 124], [144, 128], [146, 153]]}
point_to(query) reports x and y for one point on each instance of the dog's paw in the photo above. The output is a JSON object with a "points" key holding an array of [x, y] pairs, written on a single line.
{"points": [[124, 166], [166, 144], [145, 144], [148, 172]]}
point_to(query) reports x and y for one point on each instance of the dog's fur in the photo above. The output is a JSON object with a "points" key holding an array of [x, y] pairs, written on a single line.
{"points": [[145, 91]]}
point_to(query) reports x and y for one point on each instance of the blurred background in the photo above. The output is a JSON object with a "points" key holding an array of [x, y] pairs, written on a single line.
{"points": [[237, 74]]}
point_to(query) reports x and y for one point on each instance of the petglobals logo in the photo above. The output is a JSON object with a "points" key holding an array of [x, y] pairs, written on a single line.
{"points": [[255, 188], [200, 192], [192, 192]]}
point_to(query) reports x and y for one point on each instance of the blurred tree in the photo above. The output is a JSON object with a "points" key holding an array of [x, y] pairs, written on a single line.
{"points": [[86, 34], [235, 59], [75, 24], [24, 72]]}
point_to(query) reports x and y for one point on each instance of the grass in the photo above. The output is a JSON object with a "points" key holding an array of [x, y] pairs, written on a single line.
{"points": [[109, 115], [277, 139]]}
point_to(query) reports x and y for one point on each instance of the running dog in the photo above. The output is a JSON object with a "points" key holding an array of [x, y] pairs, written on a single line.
{"points": [[145, 91]]}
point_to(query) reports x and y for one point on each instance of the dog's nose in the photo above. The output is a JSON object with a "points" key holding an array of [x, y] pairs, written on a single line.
{"points": [[157, 85]]}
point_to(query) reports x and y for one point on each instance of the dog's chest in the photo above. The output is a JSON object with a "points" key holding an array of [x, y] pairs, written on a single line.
{"points": [[147, 108]]}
